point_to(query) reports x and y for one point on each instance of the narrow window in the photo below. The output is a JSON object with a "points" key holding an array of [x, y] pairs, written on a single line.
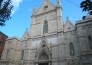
{"points": [[71, 49], [45, 27], [90, 41], [7, 55], [22, 54]]}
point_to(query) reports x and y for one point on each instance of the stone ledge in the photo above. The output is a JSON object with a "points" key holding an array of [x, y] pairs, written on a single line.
{"points": [[83, 21]]}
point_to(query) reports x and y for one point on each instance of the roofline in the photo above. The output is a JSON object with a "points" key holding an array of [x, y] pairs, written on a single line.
{"points": [[11, 38], [3, 34], [83, 21]]}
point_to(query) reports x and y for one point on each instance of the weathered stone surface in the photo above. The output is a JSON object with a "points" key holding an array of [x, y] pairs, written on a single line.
{"points": [[53, 47]]}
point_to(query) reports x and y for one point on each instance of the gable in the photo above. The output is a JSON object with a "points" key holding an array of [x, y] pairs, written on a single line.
{"points": [[43, 48], [43, 43], [46, 6], [68, 26]]}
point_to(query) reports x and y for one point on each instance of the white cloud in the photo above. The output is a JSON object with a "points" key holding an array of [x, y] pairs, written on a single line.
{"points": [[16, 4]]}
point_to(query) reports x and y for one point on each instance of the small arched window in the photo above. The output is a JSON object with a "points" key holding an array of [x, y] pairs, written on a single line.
{"points": [[45, 7], [45, 27], [43, 46], [90, 41], [22, 54], [72, 49]]}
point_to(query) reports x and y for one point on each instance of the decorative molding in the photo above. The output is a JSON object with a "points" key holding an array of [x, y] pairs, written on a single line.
{"points": [[42, 37]]}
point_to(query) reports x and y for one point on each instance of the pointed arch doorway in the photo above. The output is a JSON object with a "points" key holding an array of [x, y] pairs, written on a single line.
{"points": [[43, 55]]}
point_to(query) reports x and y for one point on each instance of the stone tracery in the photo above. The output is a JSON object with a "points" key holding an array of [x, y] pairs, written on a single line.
{"points": [[44, 57]]}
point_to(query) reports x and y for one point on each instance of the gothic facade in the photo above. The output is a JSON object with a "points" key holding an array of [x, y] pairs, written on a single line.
{"points": [[50, 41]]}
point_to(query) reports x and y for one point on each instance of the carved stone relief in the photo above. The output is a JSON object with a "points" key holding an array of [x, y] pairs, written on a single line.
{"points": [[43, 57]]}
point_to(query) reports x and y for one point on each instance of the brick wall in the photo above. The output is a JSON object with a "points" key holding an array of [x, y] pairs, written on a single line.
{"points": [[3, 38]]}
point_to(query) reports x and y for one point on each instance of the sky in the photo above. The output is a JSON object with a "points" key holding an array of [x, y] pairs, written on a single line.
{"points": [[23, 9]]}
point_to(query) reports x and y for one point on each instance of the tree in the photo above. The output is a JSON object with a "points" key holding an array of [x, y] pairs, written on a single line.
{"points": [[6, 8], [86, 5]]}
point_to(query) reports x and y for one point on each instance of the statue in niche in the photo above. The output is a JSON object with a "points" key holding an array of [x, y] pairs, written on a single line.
{"points": [[71, 49]]}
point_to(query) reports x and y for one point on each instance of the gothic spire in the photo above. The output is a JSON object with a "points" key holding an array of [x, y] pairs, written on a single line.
{"points": [[67, 18], [35, 10], [58, 3]]}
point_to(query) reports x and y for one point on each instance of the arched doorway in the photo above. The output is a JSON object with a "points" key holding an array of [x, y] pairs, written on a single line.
{"points": [[43, 64], [43, 55]]}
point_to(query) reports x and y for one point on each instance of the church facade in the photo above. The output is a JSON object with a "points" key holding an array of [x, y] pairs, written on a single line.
{"points": [[50, 41]]}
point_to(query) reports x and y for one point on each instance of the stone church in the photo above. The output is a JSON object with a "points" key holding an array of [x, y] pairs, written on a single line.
{"points": [[50, 41]]}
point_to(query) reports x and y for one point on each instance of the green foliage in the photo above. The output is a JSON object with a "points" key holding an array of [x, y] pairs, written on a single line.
{"points": [[5, 11], [86, 5]]}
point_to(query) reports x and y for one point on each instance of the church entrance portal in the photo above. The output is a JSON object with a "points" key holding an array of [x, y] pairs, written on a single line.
{"points": [[43, 64]]}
